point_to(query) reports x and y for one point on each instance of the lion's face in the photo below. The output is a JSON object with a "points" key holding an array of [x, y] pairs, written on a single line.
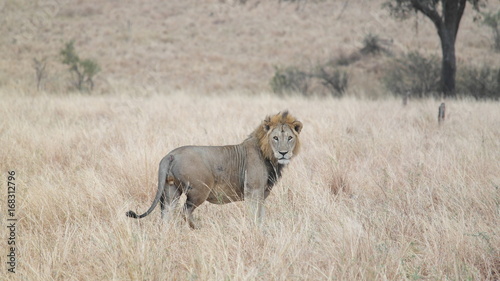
{"points": [[282, 140], [278, 137]]}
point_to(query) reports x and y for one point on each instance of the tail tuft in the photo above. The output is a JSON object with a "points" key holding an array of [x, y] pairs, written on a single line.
{"points": [[131, 214]]}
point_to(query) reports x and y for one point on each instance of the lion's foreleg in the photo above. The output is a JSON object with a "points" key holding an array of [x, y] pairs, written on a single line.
{"points": [[254, 199]]}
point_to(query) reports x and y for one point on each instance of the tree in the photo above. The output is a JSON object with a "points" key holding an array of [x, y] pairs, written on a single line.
{"points": [[83, 70], [39, 66], [446, 22], [492, 20]]}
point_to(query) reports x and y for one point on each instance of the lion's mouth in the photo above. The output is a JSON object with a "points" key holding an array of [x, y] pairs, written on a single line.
{"points": [[283, 161]]}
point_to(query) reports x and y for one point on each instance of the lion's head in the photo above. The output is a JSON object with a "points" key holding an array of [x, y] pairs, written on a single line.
{"points": [[278, 137]]}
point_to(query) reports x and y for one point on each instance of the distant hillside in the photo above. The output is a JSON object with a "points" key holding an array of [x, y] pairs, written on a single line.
{"points": [[210, 46]]}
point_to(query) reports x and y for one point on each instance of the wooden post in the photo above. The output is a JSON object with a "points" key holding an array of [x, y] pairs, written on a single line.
{"points": [[441, 113], [405, 98]]}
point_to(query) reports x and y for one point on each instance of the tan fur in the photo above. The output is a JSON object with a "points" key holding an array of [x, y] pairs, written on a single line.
{"points": [[225, 174], [271, 122]]}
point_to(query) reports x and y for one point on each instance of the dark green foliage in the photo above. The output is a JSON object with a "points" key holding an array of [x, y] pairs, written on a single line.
{"points": [[481, 83], [83, 71], [403, 9], [40, 71], [333, 79], [372, 44], [345, 60], [290, 79], [400, 9], [69, 54], [492, 20], [325, 79], [419, 76], [446, 17], [90, 69], [415, 75]]}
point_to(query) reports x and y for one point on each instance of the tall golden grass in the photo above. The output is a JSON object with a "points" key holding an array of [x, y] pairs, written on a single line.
{"points": [[379, 191]]}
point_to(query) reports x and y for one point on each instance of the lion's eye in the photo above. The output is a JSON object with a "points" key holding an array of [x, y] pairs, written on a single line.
{"points": [[275, 138], [290, 138]]}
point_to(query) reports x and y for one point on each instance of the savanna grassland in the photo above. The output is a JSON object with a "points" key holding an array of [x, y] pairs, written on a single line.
{"points": [[215, 46], [379, 191]]}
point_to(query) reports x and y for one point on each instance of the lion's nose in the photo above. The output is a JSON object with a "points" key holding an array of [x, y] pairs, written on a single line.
{"points": [[283, 153]]}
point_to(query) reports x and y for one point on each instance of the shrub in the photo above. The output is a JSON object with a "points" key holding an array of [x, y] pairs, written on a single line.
{"points": [[492, 20], [40, 71], [83, 71], [481, 83], [414, 74], [325, 79], [333, 79], [290, 79], [372, 44], [345, 60]]}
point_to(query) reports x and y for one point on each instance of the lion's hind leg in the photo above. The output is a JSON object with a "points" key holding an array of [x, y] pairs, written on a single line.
{"points": [[195, 196], [188, 213], [169, 199]]}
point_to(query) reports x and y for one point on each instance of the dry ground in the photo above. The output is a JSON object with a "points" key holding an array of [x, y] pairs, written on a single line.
{"points": [[213, 45], [379, 191]]}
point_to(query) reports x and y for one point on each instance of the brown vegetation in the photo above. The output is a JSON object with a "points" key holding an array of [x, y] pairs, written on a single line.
{"points": [[380, 191], [214, 46]]}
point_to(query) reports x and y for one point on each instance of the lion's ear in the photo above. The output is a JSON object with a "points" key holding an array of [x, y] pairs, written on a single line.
{"points": [[267, 124], [297, 126]]}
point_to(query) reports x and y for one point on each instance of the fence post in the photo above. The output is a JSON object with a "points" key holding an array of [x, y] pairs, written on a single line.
{"points": [[441, 113], [405, 98]]}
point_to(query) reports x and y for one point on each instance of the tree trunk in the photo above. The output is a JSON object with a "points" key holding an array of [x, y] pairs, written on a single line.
{"points": [[449, 66], [447, 27], [452, 14]]}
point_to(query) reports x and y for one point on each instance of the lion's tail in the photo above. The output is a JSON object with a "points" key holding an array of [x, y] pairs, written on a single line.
{"points": [[162, 177]]}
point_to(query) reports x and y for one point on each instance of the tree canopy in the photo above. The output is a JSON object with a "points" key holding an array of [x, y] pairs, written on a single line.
{"points": [[446, 16]]}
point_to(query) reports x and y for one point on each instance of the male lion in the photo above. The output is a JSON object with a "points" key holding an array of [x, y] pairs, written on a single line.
{"points": [[224, 174]]}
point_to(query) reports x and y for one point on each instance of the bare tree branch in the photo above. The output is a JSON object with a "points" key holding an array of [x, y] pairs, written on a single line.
{"points": [[428, 9]]}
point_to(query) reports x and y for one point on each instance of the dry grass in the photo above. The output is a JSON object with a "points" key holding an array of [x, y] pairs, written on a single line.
{"points": [[379, 192]]}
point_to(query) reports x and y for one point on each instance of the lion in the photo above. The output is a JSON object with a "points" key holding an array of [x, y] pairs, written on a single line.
{"points": [[225, 174]]}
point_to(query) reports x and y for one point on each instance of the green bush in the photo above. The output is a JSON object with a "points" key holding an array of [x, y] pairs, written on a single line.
{"points": [[346, 60], [481, 83], [324, 79], [40, 69], [414, 74], [372, 44], [333, 79], [290, 80], [82, 71], [492, 20]]}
